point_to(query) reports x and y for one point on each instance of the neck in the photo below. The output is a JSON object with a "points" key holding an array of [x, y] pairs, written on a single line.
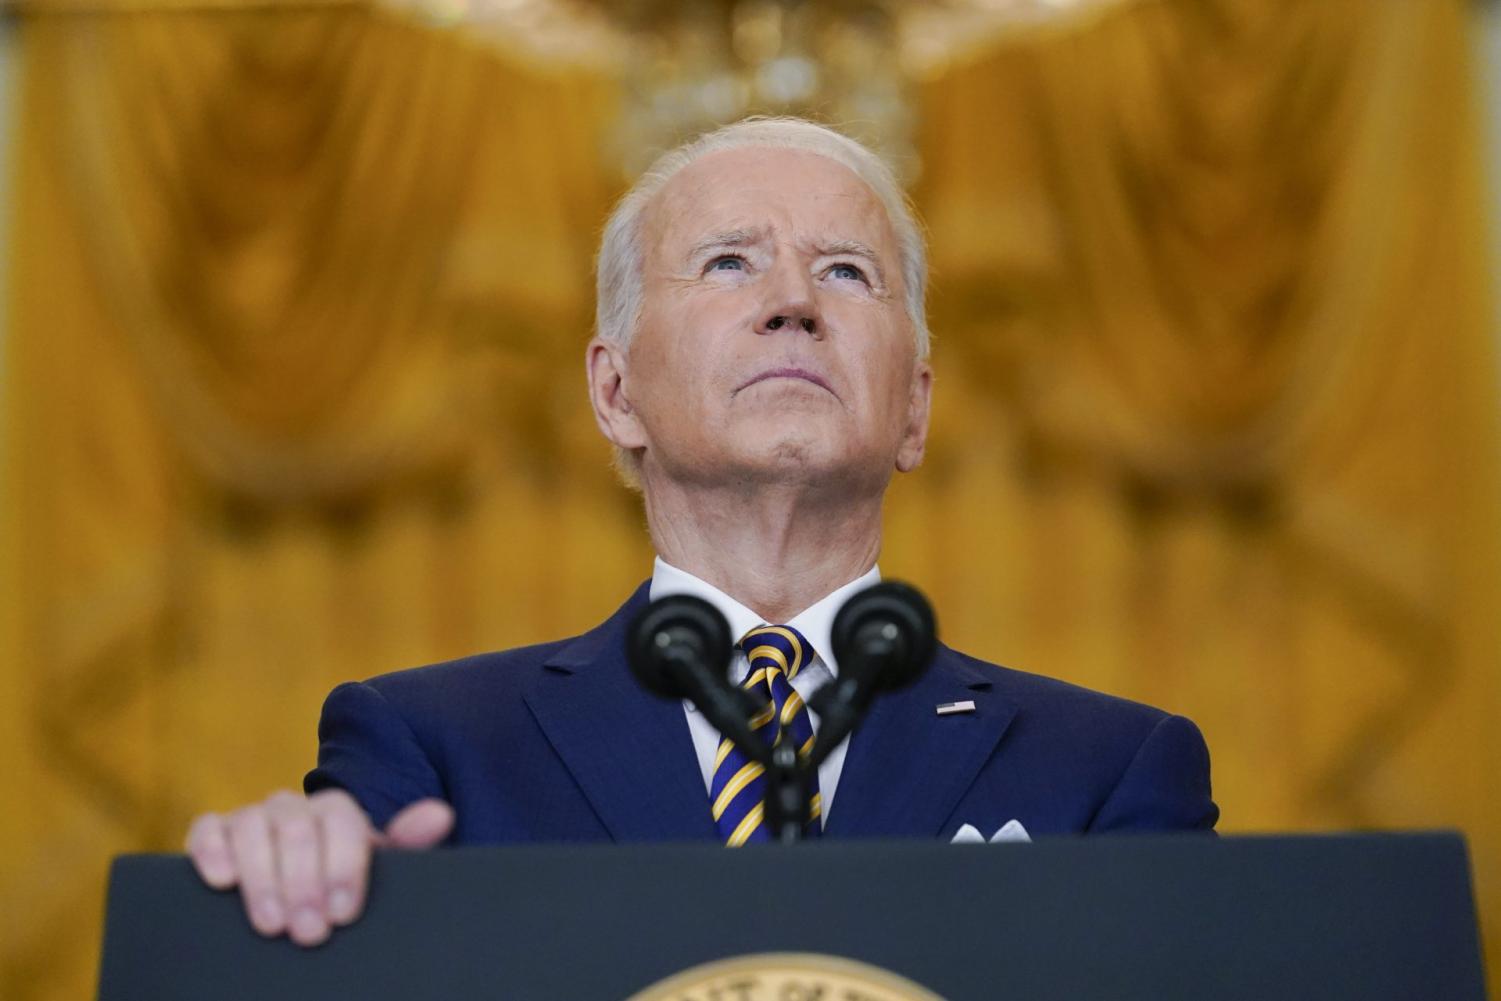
{"points": [[775, 549]]}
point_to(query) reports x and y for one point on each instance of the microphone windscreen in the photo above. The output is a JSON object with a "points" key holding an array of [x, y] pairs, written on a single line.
{"points": [[671, 633], [890, 625]]}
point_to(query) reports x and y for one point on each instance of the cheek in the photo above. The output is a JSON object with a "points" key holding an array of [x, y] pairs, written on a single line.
{"points": [[706, 335], [878, 358], [675, 362], [712, 315]]}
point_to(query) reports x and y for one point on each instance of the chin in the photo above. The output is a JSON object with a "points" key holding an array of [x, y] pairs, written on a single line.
{"points": [[793, 454], [803, 458]]}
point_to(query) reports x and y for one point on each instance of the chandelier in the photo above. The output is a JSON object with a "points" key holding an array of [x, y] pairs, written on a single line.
{"points": [[688, 65]]}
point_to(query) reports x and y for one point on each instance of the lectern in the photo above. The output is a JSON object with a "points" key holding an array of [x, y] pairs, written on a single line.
{"points": [[1363, 917]]}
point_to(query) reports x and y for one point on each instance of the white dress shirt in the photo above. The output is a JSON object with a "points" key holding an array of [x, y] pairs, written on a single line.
{"points": [[815, 623]]}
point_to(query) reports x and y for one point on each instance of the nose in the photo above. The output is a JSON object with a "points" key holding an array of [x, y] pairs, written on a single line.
{"points": [[782, 320], [790, 305]]}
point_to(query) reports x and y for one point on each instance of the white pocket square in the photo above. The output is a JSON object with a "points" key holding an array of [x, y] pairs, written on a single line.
{"points": [[1011, 830]]}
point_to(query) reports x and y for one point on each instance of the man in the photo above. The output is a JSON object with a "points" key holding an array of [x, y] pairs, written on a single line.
{"points": [[761, 369]]}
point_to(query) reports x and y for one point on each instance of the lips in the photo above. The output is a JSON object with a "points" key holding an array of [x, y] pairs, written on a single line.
{"points": [[790, 373]]}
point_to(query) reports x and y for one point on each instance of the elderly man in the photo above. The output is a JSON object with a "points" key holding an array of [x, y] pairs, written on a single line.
{"points": [[761, 369]]}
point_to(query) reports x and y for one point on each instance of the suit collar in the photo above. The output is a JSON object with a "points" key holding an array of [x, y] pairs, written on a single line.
{"points": [[629, 750], [907, 767]]}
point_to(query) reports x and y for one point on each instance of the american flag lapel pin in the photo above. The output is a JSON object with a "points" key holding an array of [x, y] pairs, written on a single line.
{"points": [[950, 708]]}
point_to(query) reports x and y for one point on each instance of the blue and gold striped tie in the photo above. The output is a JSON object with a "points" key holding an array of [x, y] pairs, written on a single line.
{"points": [[738, 791]]}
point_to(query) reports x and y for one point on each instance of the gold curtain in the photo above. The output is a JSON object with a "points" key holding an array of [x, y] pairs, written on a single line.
{"points": [[293, 395], [1219, 377]]}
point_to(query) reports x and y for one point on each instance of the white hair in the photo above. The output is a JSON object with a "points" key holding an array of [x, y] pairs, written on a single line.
{"points": [[619, 283]]}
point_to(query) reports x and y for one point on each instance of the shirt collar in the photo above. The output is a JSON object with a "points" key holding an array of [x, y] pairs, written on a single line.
{"points": [[815, 622]]}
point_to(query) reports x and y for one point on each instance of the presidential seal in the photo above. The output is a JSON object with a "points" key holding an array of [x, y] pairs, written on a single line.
{"points": [[785, 976]]}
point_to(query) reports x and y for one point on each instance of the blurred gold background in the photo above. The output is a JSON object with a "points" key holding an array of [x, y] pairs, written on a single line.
{"points": [[293, 394]]}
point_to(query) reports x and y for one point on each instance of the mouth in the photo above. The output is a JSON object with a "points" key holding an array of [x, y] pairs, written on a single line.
{"points": [[790, 373]]}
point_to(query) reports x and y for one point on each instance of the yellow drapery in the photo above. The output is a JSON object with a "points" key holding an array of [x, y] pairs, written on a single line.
{"points": [[293, 396]]}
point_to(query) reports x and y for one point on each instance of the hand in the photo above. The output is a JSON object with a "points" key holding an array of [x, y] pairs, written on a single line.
{"points": [[301, 863]]}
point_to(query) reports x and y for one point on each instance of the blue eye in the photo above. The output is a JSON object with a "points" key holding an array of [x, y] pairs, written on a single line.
{"points": [[847, 271], [719, 262]]}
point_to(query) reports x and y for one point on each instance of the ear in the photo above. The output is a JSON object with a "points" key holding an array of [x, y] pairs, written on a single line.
{"points": [[909, 455], [605, 367]]}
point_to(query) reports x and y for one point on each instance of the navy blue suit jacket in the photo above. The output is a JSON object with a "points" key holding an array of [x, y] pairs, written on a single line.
{"points": [[557, 742]]}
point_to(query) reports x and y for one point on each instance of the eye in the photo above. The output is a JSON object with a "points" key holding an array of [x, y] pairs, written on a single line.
{"points": [[729, 262], [847, 271]]}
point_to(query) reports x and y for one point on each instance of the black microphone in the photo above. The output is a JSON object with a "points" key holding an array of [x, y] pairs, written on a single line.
{"points": [[886, 634], [883, 638], [679, 647]]}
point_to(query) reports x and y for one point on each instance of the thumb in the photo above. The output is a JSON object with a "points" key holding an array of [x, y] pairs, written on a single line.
{"points": [[421, 825]]}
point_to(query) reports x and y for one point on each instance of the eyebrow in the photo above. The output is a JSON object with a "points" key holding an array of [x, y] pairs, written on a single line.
{"points": [[838, 247], [729, 238]]}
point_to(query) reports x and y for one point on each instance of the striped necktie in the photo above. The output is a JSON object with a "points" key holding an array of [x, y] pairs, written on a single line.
{"points": [[776, 654]]}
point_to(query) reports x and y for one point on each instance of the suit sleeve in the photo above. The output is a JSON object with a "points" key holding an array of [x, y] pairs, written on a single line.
{"points": [[1166, 785], [366, 748]]}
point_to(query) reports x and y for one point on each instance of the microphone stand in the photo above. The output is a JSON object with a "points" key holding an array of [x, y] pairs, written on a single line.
{"points": [[843, 702], [786, 804]]}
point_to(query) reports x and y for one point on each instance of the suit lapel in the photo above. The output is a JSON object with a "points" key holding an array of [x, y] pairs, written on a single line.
{"points": [[630, 751], [907, 766]]}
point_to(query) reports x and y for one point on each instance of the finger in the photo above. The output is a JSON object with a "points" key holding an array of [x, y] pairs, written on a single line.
{"points": [[250, 846], [347, 838], [421, 825], [299, 867], [208, 847]]}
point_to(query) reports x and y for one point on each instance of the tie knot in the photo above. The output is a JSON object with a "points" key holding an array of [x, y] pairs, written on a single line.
{"points": [[781, 647]]}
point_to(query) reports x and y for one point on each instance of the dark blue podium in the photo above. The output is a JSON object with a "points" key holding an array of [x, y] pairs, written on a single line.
{"points": [[1365, 917]]}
